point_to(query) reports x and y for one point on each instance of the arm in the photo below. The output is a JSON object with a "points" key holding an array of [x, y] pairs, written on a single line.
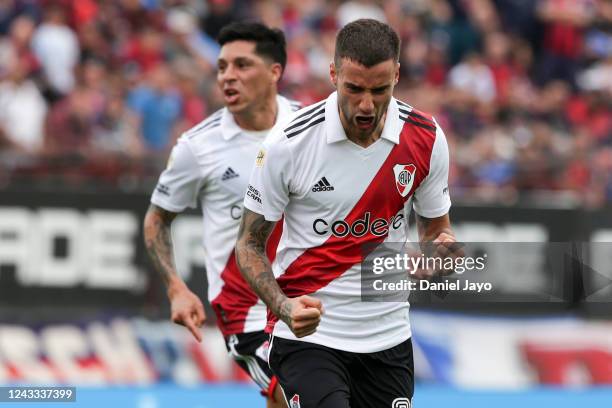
{"points": [[431, 228], [186, 307], [437, 238], [432, 203], [301, 314]]}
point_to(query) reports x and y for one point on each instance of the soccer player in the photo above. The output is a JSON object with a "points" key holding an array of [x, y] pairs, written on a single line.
{"points": [[210, 165], [343, 173]]}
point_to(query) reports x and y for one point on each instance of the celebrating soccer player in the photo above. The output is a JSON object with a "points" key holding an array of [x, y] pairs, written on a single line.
{"points": [[210, 165], [344, 173]]}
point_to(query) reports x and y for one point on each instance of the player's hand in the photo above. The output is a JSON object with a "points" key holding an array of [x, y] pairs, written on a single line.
{"points": [[187, 310], [445, 246], [301, 314]]}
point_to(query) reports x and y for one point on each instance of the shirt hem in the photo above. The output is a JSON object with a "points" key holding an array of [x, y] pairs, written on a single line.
{"points": [[434, 213], [167, 206], [333, 344]]}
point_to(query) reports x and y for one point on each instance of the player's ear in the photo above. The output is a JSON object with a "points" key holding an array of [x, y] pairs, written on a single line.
{"points": [[276, 70], [333, 74], [397, 71]]}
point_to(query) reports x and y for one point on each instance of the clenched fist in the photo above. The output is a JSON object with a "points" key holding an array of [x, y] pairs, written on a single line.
{"points": [[301, 314]]}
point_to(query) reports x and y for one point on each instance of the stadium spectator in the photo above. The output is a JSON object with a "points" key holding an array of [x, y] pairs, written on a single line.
{"points": [[564, 23], [22, 110], [17, 45], [94, 44], [449, 27], [189, 42], [156, 105], [598, 77], [474, 79], [70, 124], [11, 9], [356, 9], [194, 107], [136, 16], [220, 13], [56, 47], [114, 133], [145, 50], [497, 53]]}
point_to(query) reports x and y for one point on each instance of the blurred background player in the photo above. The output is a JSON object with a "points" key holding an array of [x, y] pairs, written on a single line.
{"points": [[344, 173], [210, 166]]}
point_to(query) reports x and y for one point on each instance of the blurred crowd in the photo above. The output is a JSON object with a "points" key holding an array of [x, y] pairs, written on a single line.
{"points": [[100, 90]]}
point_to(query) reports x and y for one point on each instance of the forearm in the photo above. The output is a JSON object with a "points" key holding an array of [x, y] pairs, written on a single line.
{"points": [[430, 228], [432, 231], [158, 241], [253, 262], [256, 269]]}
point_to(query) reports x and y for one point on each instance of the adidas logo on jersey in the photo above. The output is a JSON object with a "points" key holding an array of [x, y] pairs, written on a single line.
{"points": [[229, 174], [322, 185]]}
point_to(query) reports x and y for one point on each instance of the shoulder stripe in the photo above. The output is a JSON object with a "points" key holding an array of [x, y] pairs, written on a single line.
{"points": [[419, 124], [311, 124], [404, 104], [209, 126], [309, 111], [208, 123], [417, 116], [302, 122], [214, 116]]}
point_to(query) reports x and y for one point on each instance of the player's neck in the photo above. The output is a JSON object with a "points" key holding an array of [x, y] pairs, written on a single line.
{"points": [[261, 117]]}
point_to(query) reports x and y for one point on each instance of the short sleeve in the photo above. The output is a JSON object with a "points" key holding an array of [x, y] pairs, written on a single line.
{"points": [[432, 197], [181, 181], [268, 190]]}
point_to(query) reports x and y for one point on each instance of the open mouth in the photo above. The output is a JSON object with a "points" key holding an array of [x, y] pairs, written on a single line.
{"points": [[231, 95], [364, 122]]}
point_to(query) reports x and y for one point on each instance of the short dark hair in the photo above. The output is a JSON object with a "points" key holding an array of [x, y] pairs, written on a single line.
{"points": [[269, 42], [368, 42]]}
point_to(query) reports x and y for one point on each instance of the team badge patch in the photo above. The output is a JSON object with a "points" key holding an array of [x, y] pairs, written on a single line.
{"points": [[404, 177], [259, 161], [295, 402]]}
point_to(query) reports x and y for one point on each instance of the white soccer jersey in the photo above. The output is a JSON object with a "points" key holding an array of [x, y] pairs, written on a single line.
{"points": [[210, 165], [336, 196]]}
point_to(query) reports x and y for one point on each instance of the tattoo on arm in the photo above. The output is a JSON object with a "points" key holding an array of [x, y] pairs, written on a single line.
{"points": [[254, 264], [158, 241]]}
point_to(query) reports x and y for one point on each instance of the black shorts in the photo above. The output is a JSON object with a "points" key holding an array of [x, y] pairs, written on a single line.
{"points": [[250, 351], [314, 376]]}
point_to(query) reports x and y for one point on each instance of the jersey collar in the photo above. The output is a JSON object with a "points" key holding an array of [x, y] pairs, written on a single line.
{"points": [[230, 129], [335, 131]]}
